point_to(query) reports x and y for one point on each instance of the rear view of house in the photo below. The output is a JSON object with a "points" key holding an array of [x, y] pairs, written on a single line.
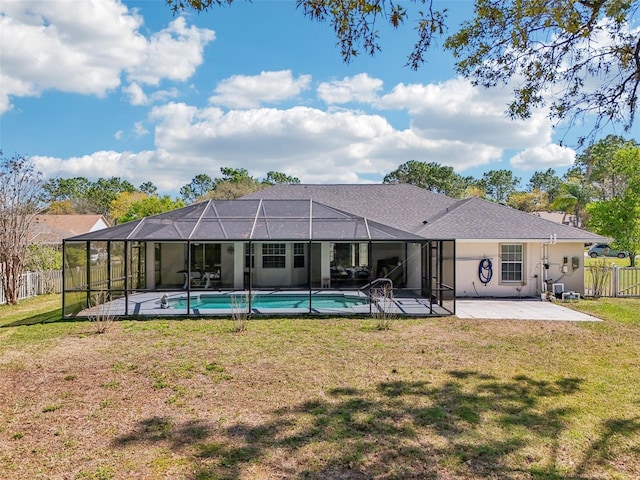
{"points": [[323, 249]]}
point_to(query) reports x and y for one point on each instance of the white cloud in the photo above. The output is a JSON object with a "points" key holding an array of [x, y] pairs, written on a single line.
{"points": [[163, 95], [315, 145], [451, 123], [261, 132], [243, 91], [139, 130], [136, 94], [544, 157], [456, 110], [118, 135], [173, 53], [126, 165], [85, 47], [359, 88]]}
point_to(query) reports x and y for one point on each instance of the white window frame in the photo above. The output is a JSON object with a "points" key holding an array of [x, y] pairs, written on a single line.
{"points": [[298, 255], [509, 258], [274, 256]]}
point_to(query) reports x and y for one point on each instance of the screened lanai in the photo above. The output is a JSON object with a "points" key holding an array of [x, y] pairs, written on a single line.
{"points": [[268, 257]]}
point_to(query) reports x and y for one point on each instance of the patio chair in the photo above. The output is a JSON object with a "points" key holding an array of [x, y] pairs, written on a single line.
{"points": [[197, 280]]}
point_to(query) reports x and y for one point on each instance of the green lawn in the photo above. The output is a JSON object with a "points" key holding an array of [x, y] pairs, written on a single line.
{"points": [[320, 399], [615, 310], [44, 308], [620, 262]]}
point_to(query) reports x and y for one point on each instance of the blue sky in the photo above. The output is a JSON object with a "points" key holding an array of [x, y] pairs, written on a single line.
{"points": [[101, 88]]}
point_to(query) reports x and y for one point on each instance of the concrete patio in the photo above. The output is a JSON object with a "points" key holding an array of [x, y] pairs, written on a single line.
{"points": [[526, 309]]}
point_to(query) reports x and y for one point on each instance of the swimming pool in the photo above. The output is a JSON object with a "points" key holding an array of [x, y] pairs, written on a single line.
{"points": [[274, 301]]}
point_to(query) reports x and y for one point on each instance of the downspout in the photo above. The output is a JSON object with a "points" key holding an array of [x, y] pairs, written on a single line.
{"points": [[406, 261], [543, 271], [545, 259]]}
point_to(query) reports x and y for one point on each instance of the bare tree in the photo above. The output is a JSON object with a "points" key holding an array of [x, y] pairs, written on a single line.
{"points": [[21, 197], [240, 310]]}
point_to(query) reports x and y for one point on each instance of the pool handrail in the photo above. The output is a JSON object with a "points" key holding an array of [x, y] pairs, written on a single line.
{"points": [[375, 282]]}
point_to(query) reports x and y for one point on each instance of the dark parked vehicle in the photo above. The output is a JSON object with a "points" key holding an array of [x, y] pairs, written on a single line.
{"points": [[604, 250]]}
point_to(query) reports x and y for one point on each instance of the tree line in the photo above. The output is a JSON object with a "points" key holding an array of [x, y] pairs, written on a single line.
{"points": [[120, 201], [603, 172]]}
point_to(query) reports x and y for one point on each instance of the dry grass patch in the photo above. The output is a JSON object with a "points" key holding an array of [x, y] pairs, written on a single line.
{"points": [[322, 399]]}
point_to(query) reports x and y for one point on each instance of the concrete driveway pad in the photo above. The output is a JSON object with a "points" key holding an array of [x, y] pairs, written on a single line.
{"points": [[519, 310]]}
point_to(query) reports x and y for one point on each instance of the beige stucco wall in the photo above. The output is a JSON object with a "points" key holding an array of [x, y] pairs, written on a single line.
{"points": [[280, 277], [469, 255], [172, 262]]}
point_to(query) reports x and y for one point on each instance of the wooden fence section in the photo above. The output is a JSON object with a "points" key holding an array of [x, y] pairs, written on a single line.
{"points": [[101, 278], [612, 281]]}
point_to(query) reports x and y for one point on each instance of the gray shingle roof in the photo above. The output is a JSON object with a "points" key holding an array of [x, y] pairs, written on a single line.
{"points": [[344, 212], [431, 215], [252, 219], [475, 218], [400, 205]]}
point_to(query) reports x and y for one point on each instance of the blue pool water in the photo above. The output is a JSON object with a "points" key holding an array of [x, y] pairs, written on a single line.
{"points": [[279, 301]]}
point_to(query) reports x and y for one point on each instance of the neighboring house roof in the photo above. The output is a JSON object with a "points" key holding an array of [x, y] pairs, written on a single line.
{"points": [[251, 219], [558, 217], [52, 229], [432, 215]]}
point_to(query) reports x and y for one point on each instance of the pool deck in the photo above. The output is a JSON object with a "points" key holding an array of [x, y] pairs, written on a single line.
{"points": [[148, 304]]}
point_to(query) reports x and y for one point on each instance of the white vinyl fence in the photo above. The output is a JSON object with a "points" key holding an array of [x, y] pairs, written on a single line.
{"points": [[612, 281], [37, 283]]}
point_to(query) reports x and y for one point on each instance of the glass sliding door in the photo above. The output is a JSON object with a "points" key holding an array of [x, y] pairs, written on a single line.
{"points": [[349, 264]]}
